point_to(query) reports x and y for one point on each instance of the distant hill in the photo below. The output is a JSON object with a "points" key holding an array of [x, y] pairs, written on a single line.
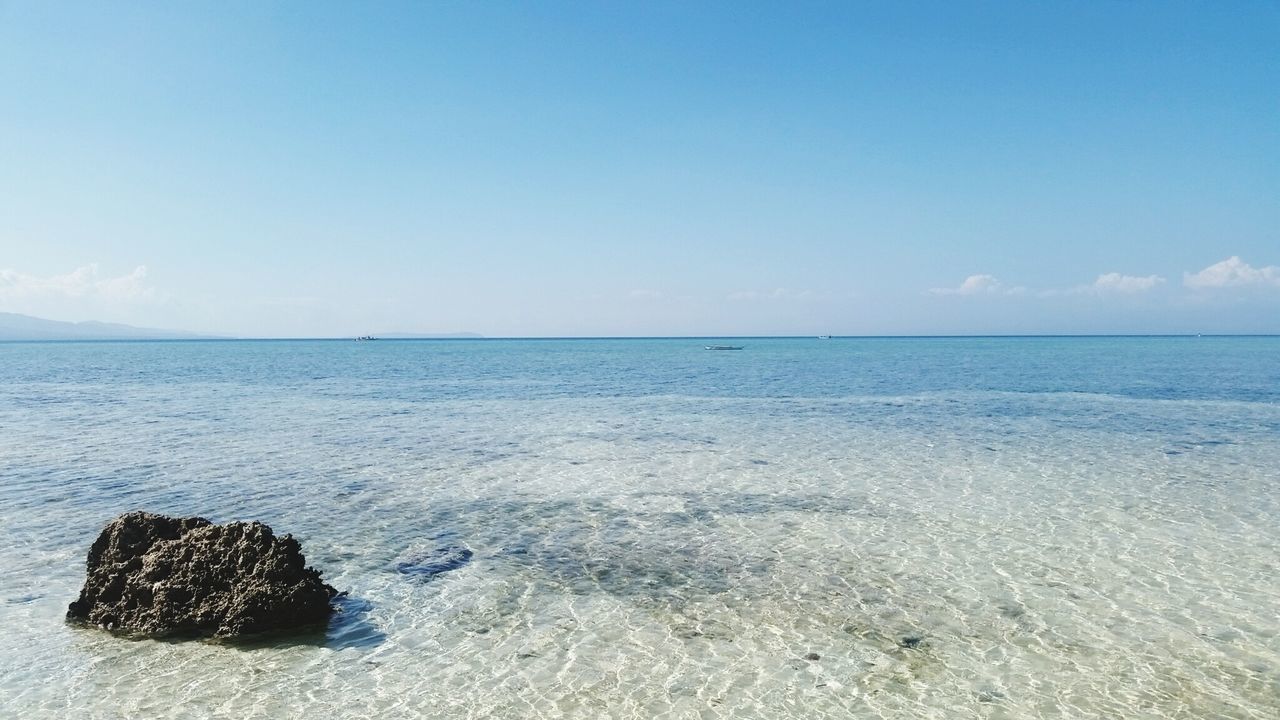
{"points": [[24, 327]]}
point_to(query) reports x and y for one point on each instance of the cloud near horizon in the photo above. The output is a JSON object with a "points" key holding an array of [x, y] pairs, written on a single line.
{"points": [[83, 283], [775, 294], [981, 284], [1115, 283], [1232, 272], [1112, 283], [645, 294]]}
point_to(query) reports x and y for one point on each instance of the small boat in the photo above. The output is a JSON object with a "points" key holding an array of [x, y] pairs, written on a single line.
{"points": [[364, 338], [824, 337], [723, 347]]}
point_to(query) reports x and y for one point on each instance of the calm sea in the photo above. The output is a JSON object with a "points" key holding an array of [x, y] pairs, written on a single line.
{"points": [[885, 528]]}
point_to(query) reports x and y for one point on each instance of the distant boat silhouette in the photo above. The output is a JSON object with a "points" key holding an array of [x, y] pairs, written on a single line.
{"points": [[723, 347], [824, 337], [363, 338]]}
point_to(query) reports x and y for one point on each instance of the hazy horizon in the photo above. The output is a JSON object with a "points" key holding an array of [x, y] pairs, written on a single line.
{"points": [[178, 335], [565, 170]]}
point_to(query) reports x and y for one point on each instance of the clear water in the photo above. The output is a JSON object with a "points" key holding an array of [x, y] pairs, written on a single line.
{"points": [[955, 528]]}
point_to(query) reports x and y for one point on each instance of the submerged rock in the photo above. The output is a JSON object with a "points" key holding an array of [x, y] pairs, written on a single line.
{"points": [[425, 563], [153, 576], [911, 642]]}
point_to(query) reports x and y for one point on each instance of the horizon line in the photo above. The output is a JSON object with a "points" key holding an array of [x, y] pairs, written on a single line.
{"points": [[345, 338]]}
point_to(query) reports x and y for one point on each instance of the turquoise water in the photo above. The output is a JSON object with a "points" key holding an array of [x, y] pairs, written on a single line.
{"points": [[985, 527]]}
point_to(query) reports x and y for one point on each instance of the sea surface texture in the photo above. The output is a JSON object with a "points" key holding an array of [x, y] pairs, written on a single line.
{"points": [[847, 528]]}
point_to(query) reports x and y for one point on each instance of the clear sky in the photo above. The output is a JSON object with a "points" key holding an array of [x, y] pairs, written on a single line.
{"points": [[310, 168]]}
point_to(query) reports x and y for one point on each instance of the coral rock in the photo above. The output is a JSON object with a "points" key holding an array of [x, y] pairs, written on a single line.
{"points": [[154, 576]]}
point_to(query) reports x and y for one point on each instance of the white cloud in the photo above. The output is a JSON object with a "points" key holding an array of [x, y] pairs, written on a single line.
{"points": [[1115, 283], [82, 283], [83, 293], [1106, 284], [775, 294], [126, 287], [1232, 272], [980, 285]]}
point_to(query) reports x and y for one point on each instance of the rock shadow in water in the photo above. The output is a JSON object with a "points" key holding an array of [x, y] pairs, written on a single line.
{"points": [[349, 627]]}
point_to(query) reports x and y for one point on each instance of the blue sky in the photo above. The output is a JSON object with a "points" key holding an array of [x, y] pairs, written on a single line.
{"points": [[310, 169]]}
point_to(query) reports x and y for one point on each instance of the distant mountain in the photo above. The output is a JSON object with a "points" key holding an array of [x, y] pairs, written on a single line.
{"points": [[431, 336], [24, 327]]}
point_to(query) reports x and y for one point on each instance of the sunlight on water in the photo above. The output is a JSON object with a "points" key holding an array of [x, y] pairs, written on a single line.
{"points": [[897, 529]]}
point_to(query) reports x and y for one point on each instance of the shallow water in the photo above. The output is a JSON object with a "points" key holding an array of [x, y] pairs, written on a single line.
{"points": [[915, 528]]}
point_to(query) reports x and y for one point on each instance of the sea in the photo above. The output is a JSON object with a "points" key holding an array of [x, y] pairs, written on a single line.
{"points": [[1039, 527]]}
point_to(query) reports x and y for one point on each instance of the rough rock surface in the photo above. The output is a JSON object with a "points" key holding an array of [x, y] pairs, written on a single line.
{"points": [[154, 576]]}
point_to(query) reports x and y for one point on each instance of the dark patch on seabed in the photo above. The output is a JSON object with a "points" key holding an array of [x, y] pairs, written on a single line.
{"points": [[425, 564], [910, 642], [351, 489], [1183, 447], [1179, 447], [589, 546]]}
